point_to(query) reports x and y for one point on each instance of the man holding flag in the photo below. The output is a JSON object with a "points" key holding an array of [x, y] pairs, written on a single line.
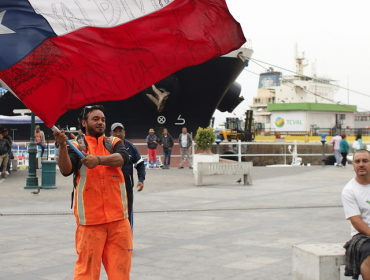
{"points": [[103, 231], [60, 55]]}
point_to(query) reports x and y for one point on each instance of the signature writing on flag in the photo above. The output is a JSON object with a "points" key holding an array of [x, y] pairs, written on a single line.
{"points": [[92, 51]]}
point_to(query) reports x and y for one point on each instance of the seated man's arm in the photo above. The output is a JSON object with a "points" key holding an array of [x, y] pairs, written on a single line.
{"points": [[353, 213], [360, 225]]}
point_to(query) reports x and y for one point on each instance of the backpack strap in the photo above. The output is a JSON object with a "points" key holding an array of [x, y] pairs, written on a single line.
{"points": [[109, 143], [81, 142]]}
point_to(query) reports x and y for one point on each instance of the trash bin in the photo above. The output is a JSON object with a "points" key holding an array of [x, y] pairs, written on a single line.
{"points": [[48, 174]]}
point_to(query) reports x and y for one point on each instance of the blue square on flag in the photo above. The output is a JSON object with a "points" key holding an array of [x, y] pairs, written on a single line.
{"points": [[21, 30]]}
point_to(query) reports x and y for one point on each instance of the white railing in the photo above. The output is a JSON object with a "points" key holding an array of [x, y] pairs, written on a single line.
{"points": [[20, 150]]}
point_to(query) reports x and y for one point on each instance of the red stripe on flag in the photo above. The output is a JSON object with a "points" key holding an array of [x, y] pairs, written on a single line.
{"points": [[105, 64]]}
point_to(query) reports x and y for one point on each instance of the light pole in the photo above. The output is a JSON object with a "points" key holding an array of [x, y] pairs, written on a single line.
{"points": [[323, 140], [32, 180]]}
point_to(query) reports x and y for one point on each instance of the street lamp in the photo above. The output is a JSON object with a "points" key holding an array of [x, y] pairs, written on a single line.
{"points": [[32, 180], [323, 140]]}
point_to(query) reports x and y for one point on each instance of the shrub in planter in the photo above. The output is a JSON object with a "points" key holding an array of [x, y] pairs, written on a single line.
{"points": [[204, 138]]}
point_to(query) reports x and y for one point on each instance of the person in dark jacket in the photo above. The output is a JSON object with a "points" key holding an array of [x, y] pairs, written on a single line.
{"points": [[152, 141], [118, 130], [4, 154], [6, 136], [166, 141]]}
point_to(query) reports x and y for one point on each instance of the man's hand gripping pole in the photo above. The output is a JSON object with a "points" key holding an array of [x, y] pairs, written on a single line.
{"points": [[54, 128]]}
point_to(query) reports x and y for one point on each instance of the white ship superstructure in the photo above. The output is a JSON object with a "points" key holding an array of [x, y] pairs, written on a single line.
{"points": [[295, 92]]}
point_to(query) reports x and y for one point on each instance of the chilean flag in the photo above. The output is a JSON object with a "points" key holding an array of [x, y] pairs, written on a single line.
{"points": [[61, 55]]}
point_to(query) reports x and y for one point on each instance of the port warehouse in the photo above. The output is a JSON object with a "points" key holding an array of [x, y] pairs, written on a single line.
{"points": [[303, 121]]}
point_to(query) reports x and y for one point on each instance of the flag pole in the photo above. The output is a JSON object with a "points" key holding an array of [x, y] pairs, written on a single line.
{"points": [[54, 128]]}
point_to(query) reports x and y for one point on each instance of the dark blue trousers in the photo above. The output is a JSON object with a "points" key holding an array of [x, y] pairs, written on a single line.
{"points": [[167, 156]]}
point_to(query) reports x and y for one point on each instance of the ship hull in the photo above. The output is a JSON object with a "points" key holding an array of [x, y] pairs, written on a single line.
{"points": [[194, 95]]}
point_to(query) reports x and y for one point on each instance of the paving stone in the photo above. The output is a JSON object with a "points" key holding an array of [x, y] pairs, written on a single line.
{"points": [[222, 231]]}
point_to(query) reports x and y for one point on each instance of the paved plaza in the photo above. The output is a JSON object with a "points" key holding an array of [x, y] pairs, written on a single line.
{"points": [[223, 230]]}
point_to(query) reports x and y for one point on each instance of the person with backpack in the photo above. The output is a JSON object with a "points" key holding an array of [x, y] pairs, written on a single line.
{"points": [[166, 141], [357, 144], [152, 141], [103, 232], [5, 148]]}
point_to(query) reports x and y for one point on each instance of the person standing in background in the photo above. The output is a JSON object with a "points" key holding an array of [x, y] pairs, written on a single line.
{"points": [[40, 139], [336, 147], [344, 150], [166, 141], [152, 141], [10, 155], [4, 154], [135, 160], [185, 142], [357, 144]]}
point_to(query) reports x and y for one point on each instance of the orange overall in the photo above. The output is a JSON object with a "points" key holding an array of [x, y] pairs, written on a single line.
{"points": [[103, 230]]}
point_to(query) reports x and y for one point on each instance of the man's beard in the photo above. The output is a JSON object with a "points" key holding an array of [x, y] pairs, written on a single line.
{"points": [[93, 132]]}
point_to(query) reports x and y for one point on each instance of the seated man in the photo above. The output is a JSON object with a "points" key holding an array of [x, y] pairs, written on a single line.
{"points": [[356, 204]]}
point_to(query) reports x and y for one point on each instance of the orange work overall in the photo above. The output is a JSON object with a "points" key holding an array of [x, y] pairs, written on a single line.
{"points": [[103, 231]]}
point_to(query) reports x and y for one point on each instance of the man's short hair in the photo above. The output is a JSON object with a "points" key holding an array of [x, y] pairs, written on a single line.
{"points": [[361, 151], [85, 111]]}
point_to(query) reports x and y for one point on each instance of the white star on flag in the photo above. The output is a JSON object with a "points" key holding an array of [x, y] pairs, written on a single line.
{"points": [[3, 28]]}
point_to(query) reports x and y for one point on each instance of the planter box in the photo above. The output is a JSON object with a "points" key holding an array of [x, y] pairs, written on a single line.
{"points": [[204, 158]]}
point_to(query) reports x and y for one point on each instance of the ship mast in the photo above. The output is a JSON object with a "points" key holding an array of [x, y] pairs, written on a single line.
{"points": [[301, 62]]}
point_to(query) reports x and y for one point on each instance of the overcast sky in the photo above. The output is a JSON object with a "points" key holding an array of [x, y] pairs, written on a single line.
{"points": [[334, 33]]}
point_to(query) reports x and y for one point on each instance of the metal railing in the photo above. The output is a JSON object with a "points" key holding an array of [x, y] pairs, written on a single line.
{"points": [[19, 150]]}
